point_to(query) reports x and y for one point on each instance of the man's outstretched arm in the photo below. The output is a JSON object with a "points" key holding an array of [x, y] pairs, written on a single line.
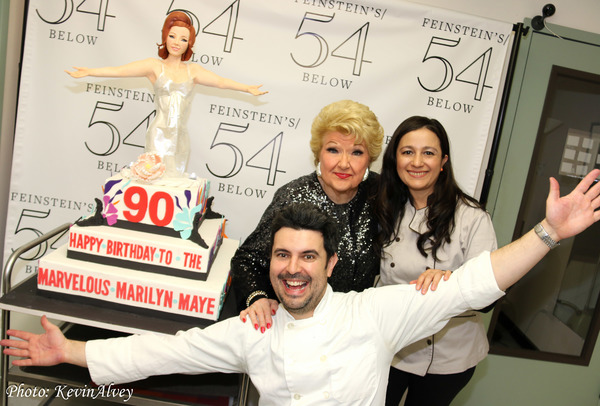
{"points": [[50, 348], [565, 217]]}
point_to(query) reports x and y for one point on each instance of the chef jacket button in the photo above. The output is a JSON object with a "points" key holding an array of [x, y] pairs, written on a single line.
{"points": [[392, 264], [297, 396], [323, 358], [326, 395], [429, 342], [290, 325]]}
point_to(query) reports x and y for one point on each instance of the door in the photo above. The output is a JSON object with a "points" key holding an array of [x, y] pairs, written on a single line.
{"points": [[528, 155]]}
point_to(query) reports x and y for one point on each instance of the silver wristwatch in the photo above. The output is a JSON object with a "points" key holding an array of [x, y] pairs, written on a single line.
{"points": [[539, 230]]}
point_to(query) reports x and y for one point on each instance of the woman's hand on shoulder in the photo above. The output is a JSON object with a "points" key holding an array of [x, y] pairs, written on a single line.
{"points": [[260, 313], [430, 279]]}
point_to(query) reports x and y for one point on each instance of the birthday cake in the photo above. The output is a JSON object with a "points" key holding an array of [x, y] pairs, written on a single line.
{"points": [[154, 245]]}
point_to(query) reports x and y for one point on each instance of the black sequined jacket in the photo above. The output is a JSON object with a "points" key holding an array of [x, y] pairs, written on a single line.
{"points": [[358, 263]]}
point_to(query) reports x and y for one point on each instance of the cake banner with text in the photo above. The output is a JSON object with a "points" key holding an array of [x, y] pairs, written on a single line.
{"points": [[398, 58]]}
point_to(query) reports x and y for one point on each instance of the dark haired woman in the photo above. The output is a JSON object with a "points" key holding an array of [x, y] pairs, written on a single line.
{"points": [[428, 222], [173, 82]]}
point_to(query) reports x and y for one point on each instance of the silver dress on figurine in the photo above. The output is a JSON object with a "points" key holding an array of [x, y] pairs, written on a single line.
{"points": [[167, 135]]}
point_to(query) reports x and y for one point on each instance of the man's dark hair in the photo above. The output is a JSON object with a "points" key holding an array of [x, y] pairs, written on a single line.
{"points": [[306, 216]]}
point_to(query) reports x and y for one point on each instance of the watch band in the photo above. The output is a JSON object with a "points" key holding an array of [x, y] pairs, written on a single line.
{"points": [[539, 230]]}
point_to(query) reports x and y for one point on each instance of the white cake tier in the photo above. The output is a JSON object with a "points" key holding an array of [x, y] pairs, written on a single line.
{"points": [[147, 252], [156, 292], [157, 203]]}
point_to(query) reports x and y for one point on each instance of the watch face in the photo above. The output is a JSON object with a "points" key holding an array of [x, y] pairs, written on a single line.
{"points": [[540, 231]]}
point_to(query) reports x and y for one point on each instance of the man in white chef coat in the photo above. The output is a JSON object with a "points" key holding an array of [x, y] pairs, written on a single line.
{"points": [[324, 347]]}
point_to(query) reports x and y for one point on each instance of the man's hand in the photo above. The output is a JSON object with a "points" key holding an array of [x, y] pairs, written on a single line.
{"points": [[50, 348], [565, 217], [571, 214]]}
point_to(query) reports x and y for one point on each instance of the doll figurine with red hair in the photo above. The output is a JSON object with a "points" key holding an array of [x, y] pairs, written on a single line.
{"points": [[173, 80]]}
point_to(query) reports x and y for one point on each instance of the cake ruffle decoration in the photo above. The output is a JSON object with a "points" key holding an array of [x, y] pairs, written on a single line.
{"points": [[148, 167]]}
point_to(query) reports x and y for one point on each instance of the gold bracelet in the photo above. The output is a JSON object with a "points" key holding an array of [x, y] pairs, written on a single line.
{"points": [[255, 294]]}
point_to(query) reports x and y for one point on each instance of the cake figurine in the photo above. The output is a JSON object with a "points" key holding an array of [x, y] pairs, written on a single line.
{"points": [[173, 80]]}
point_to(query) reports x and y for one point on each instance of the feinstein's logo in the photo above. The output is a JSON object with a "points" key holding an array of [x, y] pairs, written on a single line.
{"points": [[72, 37], [48, 13]]}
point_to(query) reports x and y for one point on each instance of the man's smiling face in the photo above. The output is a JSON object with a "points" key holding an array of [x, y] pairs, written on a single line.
{"points": [[299, 270]]}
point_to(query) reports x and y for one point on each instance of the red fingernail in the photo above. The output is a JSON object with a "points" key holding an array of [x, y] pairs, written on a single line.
{"points": [[262, 329], [273, 312], [256, 327], [268, 325], [244, 320]]}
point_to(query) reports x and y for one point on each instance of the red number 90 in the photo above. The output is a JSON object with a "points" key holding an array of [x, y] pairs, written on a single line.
{"points": [[136, 200]]}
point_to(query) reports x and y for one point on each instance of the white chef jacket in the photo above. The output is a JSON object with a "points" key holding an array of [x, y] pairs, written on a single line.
{"points": [[462, 343], [339, 355]]}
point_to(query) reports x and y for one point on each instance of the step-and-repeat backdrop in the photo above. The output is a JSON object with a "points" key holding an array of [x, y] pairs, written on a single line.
{"points": [[399, 58]]}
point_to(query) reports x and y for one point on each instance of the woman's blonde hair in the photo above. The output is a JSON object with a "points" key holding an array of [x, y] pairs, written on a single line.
{"points": [[349, 118]]}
